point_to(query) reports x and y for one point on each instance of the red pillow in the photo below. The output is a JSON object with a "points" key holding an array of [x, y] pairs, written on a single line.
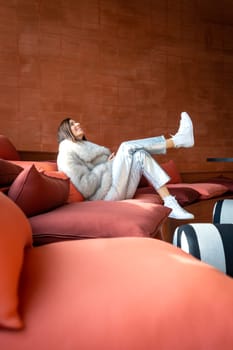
{"points": [[226, 181], [15, 235], [8, 172], [35, 192], [96, 219], [172, 170], [206, 190], [74, 194], [184, 195]]}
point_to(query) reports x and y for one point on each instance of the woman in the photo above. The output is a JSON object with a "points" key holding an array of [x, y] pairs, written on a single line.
{"points": [[101, 175]]}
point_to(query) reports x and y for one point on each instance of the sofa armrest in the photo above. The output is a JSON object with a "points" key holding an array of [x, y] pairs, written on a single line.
{"points": [[7, 149]]}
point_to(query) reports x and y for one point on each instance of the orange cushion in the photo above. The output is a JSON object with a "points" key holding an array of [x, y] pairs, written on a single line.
{"points": [[123, 293], [74, 194], [35, 192], [15, 235], [7, 149]]}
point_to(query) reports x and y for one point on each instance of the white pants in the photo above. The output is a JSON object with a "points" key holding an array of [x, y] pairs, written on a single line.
{"points": [[133, 159]]}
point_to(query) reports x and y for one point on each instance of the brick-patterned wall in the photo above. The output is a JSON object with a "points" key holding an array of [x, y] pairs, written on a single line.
{"points": [[124, 69]]}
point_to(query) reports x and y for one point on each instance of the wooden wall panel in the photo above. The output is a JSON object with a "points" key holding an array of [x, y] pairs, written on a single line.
{"points": [[124, 69]]}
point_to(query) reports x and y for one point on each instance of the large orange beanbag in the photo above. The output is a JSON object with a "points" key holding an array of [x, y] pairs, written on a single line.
{"points": [[15, 235]]}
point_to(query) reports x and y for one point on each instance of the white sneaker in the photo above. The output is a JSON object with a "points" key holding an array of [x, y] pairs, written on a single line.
{"points": [[177, 211], [184, 136]]}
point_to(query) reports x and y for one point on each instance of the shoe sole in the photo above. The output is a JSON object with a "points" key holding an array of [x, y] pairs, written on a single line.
{"points": [[189, 121], [172, 217]]}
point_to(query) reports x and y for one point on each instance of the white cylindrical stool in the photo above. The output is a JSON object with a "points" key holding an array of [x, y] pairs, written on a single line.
{"points": [[223, 212], [211, 243]]}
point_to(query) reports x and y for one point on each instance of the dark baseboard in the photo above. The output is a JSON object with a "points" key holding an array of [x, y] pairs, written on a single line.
{"points": [[37, 155]]}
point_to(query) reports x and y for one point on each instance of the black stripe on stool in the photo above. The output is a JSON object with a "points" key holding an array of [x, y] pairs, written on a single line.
{"points": [[192, 239], [226, 233], [217, 211]]}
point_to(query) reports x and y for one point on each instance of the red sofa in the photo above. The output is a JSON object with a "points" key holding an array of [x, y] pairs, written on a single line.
{"points": [[58, 212], [121, 293]]}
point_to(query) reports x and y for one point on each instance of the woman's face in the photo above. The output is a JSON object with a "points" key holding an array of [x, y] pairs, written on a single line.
{"points": [[76, 129]]}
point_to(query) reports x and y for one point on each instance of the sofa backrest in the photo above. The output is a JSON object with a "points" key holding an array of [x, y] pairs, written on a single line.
{"points": [[7, 149]]}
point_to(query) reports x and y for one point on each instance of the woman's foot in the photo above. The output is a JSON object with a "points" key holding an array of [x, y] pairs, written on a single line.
{"points": [[184, 136], [177, 211]]}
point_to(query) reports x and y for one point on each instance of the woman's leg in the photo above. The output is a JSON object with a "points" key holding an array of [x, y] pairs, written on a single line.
{"points": [[127, 171], [158, 145], [128, 168], [134, 160]]}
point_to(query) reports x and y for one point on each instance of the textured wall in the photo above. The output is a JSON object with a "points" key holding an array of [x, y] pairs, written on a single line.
{"points": [[124, 69]]}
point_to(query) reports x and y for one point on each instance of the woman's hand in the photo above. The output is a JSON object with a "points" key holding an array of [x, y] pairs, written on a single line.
{"points": [[111, 156]]}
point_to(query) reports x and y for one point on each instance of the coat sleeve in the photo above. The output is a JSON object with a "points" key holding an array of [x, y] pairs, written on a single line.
{"points": [[86, 177], [88, 181]]}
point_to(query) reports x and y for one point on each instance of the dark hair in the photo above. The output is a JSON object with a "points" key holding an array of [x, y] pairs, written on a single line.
{"points": [[64, 131]]}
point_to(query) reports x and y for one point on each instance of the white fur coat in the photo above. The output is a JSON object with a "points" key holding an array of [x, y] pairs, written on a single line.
{"points": [[87, 166]]}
